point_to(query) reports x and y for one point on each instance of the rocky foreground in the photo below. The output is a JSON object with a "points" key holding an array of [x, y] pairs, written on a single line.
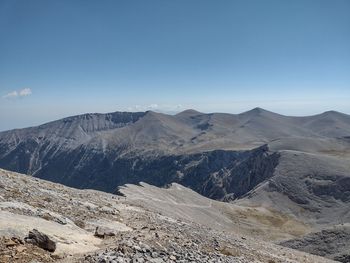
{"points": [[92, 226]]}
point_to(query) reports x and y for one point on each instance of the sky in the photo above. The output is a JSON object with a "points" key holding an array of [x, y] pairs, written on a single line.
{"points": [[67, 57]]}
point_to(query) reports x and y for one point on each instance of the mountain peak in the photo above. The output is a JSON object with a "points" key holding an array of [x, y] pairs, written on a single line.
{"points": [[331, 112], [256, 111], [189, 112]]}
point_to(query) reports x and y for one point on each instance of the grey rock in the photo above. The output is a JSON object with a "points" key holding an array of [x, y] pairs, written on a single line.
{"points": [[41, 240], [103, 232]]}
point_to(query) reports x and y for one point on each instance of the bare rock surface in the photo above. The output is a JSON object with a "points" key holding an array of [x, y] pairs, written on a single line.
{"points": [[145, 233]]}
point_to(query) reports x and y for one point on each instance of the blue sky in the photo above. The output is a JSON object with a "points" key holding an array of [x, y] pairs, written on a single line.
{"points": [[59, 58]]}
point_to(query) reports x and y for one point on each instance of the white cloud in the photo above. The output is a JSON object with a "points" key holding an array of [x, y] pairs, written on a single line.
{"points": [[17, 94], [153, 106], [25, 92], [12, 94], [165, 108]]}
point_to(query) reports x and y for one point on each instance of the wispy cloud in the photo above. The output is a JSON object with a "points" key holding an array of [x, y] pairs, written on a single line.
{"points": [[25, 92], [166, 108], [12, 94], [18, 93]]}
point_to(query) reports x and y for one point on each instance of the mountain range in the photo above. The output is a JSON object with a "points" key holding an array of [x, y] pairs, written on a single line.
{"points": [[293, 166], [215, 154]]}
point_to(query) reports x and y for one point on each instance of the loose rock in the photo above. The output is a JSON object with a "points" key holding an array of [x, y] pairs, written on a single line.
{"points": [[41, 240]]}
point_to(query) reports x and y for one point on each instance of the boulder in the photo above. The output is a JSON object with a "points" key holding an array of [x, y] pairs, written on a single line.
{"points": [[103, 232], [41, 240]]}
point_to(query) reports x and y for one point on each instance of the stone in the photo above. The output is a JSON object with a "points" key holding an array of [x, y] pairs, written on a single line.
{"points": [[41, 240], [10, 243], [103, 232], [20, 248], [138, 260]]}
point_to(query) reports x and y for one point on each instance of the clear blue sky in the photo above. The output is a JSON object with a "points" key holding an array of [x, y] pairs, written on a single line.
{"points": [[59, 58]]}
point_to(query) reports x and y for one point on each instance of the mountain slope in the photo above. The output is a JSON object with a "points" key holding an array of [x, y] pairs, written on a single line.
{"points": [[315, 189], [103, 151], [127, 230], [308, 194]]}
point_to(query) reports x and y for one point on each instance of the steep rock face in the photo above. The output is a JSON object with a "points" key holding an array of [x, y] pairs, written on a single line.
{"points": [[216, 174], [312, 187], [240, 174], [28, 150]]}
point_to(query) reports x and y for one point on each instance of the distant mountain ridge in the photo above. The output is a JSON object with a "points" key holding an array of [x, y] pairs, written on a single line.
{"points": [[103, 151], [257, 125]]}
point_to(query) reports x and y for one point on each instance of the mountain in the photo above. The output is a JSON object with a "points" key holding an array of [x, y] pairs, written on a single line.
{"points": [[294, 169], [202, 151], [103, 151]]}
